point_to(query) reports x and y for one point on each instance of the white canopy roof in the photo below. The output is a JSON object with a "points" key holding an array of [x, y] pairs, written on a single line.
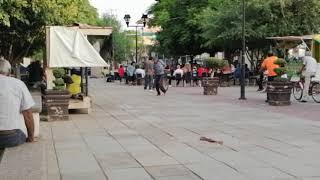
{"points": [[67, 47]]}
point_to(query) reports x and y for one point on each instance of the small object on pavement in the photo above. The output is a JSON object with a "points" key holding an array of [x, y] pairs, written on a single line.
{"points": [[211, 140]]}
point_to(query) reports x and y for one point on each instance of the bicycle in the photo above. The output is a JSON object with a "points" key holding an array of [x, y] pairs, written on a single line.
{"points": [[314, 90]]}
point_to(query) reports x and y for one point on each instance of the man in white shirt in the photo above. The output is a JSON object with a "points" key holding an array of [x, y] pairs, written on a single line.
{"points": [[176, 72], [140, 71], [308, 70], [15, 109]]}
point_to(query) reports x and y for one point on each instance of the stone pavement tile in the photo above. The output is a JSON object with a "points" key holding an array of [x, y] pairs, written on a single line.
{"points": [[27, 161], [136, 144], [83, 176], [122, 133], [299, 170], [238, 160], [117, 161], [128, 174], [215, 170], [184, 153], [311, 178], [183, 177], [153, 158], [102, 144], [264, 174], [70, 145], [89, 126], [77, 161], [111, 124], [171, 170]]}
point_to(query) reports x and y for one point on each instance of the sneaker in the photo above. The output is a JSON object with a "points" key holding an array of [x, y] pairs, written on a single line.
{"points": [[150, 90], [170, 86]]}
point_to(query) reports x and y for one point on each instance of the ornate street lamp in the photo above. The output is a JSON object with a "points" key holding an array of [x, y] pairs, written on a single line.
{"points": [[144, 19]]}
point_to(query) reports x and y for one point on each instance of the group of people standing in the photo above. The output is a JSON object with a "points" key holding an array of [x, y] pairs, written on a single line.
{"points": [[153, 74]]}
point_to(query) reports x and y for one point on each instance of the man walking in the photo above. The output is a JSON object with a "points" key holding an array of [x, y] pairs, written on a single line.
{"points": [[159, 72], [148, 80], [308, 70], [269, 66], [16, 100]]}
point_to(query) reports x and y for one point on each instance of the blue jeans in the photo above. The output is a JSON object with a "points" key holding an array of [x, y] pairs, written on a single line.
{"points": [[11, 140], [148, 81]]}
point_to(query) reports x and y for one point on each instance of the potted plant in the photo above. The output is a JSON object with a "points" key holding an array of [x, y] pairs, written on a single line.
{"points": [[279, 90], [211, 84], [56, 101]]}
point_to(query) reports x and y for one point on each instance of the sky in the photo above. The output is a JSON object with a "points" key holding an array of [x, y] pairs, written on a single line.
{"points": [[121, 7]]}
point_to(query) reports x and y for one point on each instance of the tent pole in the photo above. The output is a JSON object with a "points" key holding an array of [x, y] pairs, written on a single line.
{"points": [[87, 82], [82, 77]]}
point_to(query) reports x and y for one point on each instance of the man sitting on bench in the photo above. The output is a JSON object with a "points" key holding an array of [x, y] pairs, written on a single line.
{"points": [[16, 100]]}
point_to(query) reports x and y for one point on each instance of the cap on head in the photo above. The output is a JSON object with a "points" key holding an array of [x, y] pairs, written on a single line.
{"points": [[5, 67]]}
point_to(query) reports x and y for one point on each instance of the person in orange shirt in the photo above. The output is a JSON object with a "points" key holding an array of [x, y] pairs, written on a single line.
{"points": [[269, 66]]}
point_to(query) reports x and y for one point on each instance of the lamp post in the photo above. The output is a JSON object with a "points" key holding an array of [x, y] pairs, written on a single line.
{"points": [[144, 18], [243, 71]]}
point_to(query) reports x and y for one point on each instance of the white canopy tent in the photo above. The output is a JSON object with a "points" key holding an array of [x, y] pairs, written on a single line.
{"points": [[69, 47]]}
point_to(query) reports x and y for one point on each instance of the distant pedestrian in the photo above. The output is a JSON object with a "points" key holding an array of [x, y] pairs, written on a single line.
{"points": [[148, 80], [130, 72], [176, 73], [159, 73], [121, 72]]}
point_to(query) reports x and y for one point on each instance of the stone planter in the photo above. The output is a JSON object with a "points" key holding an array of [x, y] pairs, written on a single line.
{"points": [[55, 105], [279, 93], [210, 86]]}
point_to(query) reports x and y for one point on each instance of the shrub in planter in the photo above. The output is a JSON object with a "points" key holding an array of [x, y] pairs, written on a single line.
{"points": [[56, 101], [211, 84], [279, 90]]}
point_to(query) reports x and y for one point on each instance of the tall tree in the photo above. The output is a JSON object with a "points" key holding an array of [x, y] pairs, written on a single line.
{"points": [[122, 44], [22, 23], [181, 31]]}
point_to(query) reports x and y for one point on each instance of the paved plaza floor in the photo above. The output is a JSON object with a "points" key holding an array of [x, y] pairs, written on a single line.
{"points": [[133, 134]]}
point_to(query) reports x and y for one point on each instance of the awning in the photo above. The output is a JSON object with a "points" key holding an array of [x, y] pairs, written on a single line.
{"points": [[68, 47]]}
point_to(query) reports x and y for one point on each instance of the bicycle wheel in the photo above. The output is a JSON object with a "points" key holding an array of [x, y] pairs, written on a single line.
{"points": [[297, 91], [315, 90]]}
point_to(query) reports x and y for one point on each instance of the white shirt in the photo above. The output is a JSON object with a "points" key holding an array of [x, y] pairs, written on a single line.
{"points": [[310, 64], [178, 71], [14, 98], [140, 71]]}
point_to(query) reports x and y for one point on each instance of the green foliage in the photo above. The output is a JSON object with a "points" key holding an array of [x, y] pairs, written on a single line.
{"points": [[22, 23], [190, 26], [122, 44], [215, 63], [59, 82], [280, 71], [181, 31], [280, 62], [59, 73]]}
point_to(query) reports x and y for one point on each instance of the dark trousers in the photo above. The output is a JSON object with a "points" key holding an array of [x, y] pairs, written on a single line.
{"points": [[148, 81], [260, 81], [159, 85], [13, 139]]}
